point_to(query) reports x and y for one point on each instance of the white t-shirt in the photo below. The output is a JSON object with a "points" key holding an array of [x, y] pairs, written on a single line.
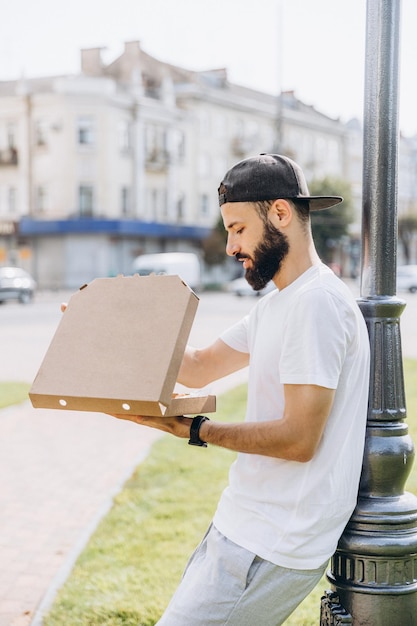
{"points": [[312, 332]]}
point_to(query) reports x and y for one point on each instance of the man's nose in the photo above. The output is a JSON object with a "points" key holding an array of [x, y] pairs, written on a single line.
{"points": [[232, 248]]}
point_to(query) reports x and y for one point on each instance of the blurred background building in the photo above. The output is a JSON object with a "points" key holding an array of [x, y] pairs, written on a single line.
{"points": [[125, 159]]}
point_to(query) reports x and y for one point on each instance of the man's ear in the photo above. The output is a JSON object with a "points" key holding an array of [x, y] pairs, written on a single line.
{"points": [[280, 213]]}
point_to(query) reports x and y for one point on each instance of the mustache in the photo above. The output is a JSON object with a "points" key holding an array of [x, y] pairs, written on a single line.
{"points": [[239, 256]]}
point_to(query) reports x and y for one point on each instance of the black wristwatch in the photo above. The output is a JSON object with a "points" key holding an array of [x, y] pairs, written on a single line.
{"points": [[195, 431]]}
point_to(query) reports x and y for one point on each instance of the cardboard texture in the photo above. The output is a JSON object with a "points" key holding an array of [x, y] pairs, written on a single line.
{"points": [[118, 349]]}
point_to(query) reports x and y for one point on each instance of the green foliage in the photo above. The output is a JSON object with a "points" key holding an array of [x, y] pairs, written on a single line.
{"points": [[214, 246], [330, 225], [407, 226], [410, 370], [13, 393]]}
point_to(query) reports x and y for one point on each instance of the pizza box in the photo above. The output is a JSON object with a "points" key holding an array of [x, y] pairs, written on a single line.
{"points": [[118, 349]]}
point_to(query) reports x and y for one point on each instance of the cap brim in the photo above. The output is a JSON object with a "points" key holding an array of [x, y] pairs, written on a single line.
{"points": [[317, 203]]}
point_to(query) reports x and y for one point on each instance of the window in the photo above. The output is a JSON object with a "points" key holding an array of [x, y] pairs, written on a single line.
{"points": [[40, 133], [85, 131], [204, 168], [11, 136], [180, 143], [86, 200], [205, 123], [320, 149], [333, 152], [154, 204], [40, 200], [11, 200], [239, 128], [180, 208], [150, 139], [156, 144], [220, 167], [252, 128], [125, 201], [204, 204], [125, 142], [220, 126], [164, 201]]}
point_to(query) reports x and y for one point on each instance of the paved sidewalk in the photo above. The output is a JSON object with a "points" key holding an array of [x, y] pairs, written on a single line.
{"points": [[58, 474]]}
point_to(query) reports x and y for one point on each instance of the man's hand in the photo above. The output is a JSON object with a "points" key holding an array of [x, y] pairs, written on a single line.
{"points": [[178, 426]]}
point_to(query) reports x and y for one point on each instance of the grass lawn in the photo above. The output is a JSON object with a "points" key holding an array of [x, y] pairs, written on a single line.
{"points": [[133, 562], [13, 393]]}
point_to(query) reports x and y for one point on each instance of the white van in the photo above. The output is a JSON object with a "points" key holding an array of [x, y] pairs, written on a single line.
{"points": [[184, 264]]}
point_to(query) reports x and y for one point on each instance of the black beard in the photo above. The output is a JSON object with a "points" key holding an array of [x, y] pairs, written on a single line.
{"points": [[267, 257]]}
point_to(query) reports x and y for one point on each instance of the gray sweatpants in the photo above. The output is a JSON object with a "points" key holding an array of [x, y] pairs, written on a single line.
{"points": [[224, 584]]}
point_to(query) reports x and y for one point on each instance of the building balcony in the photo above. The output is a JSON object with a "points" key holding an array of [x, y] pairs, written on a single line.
{"points": [[8, 156], [241, 146], [157, 160]]}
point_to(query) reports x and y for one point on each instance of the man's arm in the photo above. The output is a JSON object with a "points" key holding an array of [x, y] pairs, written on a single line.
{"points": [[295, 437], [201, 367]]}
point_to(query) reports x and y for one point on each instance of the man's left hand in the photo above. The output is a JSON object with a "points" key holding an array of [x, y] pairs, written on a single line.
{"points": [[178, 426]]}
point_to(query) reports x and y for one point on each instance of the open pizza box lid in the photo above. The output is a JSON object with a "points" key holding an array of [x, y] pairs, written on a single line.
{"points": [[118, 349]]}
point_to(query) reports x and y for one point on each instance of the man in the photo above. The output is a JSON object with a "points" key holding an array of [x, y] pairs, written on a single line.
{"points": [[294, 484]]}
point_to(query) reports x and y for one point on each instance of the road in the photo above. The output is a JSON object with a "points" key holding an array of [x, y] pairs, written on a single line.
{"points": [[26, 330]]}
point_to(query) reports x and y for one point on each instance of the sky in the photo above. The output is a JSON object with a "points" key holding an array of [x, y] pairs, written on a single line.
{"points": [[314, 47]]}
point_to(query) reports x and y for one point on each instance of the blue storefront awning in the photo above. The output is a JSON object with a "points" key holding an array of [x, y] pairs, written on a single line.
{"points": [[121, 228]]}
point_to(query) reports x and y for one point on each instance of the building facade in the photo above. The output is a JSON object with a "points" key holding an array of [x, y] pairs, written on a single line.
{"points": [[126, 158]]}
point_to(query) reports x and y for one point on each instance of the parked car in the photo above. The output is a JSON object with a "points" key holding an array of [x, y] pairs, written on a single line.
{"points": [[407, 278], [184, 264], [241, 287], [16, 284]]}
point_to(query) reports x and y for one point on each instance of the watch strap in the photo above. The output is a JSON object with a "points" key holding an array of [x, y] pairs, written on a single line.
{"points": [[195, 431]]}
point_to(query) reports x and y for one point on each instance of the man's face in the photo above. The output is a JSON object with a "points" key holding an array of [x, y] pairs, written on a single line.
{"points": [[258, 244], [267, 257]]}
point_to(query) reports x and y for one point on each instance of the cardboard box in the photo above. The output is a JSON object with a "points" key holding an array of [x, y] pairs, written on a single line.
{"points": [[118, 349]]}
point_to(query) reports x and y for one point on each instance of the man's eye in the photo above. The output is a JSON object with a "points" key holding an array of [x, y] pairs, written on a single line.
{"points": [[238, 232]]}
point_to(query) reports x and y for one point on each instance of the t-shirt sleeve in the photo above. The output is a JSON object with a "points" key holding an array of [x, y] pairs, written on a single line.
{"points": [[315, 340], [236, 336]]}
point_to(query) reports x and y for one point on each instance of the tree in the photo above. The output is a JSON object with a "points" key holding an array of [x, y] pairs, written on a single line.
{"points": [[331, 225], [407, 226], [214, 246]]}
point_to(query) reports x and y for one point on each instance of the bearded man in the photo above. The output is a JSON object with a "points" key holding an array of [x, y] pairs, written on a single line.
{"points": [[294, 483]]}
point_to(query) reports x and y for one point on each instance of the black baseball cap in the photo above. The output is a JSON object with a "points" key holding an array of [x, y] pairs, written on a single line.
{"points": [[268, 177]]}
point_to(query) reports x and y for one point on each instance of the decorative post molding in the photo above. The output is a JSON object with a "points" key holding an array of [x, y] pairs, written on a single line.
{"points": [[374, 570]]}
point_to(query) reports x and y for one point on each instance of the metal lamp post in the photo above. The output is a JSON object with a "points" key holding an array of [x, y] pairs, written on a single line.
{"points": [[374, 570]]}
